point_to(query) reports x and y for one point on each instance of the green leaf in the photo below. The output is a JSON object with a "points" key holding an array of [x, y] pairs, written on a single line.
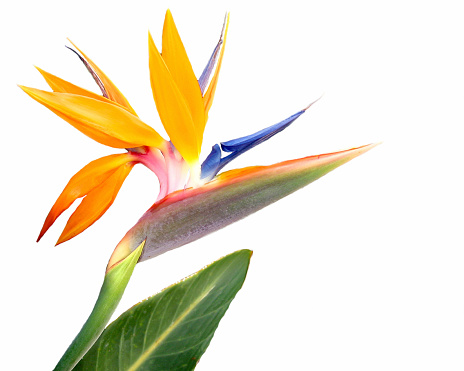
{"points": [[190, 214], [171, 330], [111, 292]]}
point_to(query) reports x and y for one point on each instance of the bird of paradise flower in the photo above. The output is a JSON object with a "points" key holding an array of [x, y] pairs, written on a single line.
{"points": [[183, 104], [194, 199]]}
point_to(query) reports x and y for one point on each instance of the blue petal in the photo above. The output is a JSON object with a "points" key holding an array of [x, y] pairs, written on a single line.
{"points": [[249, 141], [204, 78], [211, 163], [215, 162]]}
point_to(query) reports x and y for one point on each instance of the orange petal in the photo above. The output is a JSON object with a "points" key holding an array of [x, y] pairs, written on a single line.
{"points": [[209, 95], [172, 107], [113, 92], [95, 204], [62, 86], [86, 179], [104, 122], [176, 59]]}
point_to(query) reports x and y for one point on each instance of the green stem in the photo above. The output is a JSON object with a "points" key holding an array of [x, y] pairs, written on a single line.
{"points": [[111, 292]]}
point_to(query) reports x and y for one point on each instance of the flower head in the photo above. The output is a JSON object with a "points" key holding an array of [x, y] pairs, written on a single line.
{"points": [[183, 103]]}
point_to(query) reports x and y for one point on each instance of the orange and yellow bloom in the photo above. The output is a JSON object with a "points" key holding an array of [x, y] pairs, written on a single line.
{"points": [[183, 103], [110, 120]]}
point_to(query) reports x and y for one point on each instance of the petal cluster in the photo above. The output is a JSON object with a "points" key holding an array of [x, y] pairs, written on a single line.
{"points": [[183, 103], [110, 120]]}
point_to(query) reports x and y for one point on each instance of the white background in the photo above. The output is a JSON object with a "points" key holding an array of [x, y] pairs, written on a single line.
{"points": [[362, 270]]}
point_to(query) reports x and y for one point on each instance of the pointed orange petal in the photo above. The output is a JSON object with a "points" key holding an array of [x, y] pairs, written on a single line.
{"points": [[176, 59], [62, 86], [209, 95], [172, 107], [86, 179], [95, 204], [104, 122], [113, 92]]}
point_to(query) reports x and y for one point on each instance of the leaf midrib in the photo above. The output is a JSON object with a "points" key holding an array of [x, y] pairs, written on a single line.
{"points": [[144, 356]]}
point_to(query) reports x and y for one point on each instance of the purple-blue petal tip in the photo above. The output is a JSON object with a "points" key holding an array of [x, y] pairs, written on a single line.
{"points": [[204, 78]]}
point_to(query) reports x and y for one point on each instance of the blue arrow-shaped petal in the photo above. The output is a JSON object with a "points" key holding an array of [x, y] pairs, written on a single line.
{"points": [[215, 161]]}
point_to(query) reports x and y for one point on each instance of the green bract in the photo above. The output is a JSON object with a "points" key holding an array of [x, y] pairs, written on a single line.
{"points": [[188, 215]]}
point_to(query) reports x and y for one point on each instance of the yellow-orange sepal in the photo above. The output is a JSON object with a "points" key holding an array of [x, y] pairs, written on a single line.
{"points": [[95, 204], [177, 61], [104, 122], [84, 182], [59, 85], [172, 107]]}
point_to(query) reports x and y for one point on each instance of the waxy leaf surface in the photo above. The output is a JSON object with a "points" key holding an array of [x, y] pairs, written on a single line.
{"points": [[171, 330]]}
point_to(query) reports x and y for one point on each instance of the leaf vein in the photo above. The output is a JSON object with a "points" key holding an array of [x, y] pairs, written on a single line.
{"points": [[145, 355]]}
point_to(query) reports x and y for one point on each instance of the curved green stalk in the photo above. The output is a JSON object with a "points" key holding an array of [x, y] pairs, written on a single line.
{"points": [[116, 280]]}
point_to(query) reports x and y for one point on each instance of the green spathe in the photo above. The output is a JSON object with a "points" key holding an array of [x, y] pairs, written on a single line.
{"points": [[171, 330], [188, 215]]}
